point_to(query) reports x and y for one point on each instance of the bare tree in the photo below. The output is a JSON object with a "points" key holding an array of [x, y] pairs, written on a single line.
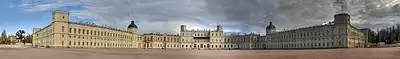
{"points": [[389, 35]]}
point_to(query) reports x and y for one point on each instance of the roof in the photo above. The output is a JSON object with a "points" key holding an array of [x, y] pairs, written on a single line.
{"points": [[132, 25], [104, 27], [270, 26], [60, 11], [342, 14]]}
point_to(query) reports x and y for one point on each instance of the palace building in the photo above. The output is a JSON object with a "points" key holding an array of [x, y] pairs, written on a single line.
{"points": [[245, 41], [202, 39], [339, 34], [62, 33], [161, 41], [65, 34]]}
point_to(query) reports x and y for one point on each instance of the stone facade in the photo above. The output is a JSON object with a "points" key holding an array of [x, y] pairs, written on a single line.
{"points": [[174, 41], [245, 41], [62, 33], [161, 41], [202, 39], [369, 35], [339, 34]]}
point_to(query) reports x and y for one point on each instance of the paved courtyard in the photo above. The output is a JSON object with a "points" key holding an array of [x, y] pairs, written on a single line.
{"points": [[43, 53]]}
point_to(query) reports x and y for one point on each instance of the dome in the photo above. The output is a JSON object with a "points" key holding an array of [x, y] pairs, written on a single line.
{"points": [[132, 25], [270, 26]]}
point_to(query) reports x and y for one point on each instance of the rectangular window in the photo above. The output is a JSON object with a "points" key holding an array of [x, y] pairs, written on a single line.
{"points": [[70, 29], [62, 28], [83, 31], [79, 31]]}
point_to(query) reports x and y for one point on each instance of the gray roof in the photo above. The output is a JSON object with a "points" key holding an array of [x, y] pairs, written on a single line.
{"points": [[132, 25], [270, 26]]}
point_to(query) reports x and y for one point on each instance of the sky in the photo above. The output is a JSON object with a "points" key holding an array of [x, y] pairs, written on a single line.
{"points": [[166, 16]]}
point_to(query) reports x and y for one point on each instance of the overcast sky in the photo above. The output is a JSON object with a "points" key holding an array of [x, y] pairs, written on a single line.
{"points": [[166, 16]]}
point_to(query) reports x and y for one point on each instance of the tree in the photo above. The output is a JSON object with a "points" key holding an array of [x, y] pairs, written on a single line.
{"points": [[28, 39], [3, 34], [19, 35], [389, 35], [4, 39]]}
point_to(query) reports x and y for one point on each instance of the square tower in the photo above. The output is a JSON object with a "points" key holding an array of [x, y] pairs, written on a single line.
{"points": [[60, 16], [342, 18]]}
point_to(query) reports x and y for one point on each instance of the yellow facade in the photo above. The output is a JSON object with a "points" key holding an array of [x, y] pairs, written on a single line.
{"points": [[62, 33], [201, 39], [161, 41], [65, 34]]}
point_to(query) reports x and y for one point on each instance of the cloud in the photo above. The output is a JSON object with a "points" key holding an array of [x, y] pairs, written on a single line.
{"points": [[44, 5], [241, 15]]}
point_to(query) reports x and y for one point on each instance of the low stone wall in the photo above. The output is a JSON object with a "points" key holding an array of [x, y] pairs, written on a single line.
{"points": [[16, 46]]}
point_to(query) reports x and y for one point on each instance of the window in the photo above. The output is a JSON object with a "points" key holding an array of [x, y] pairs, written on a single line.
{"points": [[79, 31], [62, 28], [83, 31], [70, 29], [74, 30], [69, 43]]}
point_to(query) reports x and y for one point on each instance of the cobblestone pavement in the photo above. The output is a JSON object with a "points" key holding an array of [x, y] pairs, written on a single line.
{"points": [[53, 53]]}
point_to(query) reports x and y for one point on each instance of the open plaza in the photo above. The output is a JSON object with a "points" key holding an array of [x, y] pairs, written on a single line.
{"points": [[75, 53]]}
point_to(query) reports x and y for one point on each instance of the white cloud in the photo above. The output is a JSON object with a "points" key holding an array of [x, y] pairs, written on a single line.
{"points": [[249, 15], [44, 5]]}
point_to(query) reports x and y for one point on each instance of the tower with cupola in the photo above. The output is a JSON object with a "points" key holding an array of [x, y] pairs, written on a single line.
{"points": [[132, 28], [270, 28]]}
